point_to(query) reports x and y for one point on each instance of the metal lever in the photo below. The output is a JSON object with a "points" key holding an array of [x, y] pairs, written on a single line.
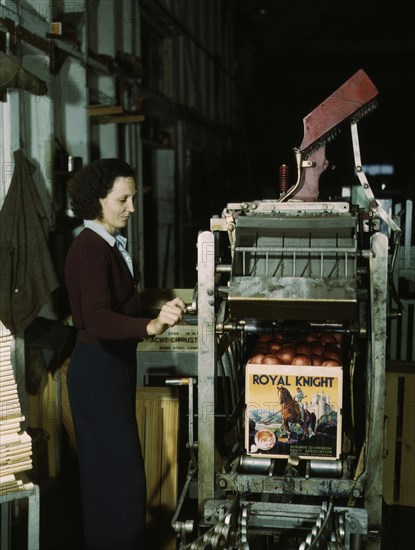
{"points": [[190, 382], [370, 196]]}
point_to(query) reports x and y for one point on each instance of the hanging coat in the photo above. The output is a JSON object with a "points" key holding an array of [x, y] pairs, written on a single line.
{"points": [[27, 274]]}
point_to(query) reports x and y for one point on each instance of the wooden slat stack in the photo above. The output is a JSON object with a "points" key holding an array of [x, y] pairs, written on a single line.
{"points": [[15, 444]]}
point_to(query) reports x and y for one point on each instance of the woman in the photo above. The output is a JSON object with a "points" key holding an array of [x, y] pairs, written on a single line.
{"points": [[102, 372]]}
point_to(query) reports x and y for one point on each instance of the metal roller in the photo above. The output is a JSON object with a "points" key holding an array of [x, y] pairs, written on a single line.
{"points": [[255, 465], [326, 468]]}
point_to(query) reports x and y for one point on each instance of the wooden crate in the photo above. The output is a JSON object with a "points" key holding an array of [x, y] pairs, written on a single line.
{"points": [[158, 424], [42, 412], [399, 464]]}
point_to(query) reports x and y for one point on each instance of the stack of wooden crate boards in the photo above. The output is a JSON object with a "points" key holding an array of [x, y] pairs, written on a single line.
{"points": [[15, 443]]}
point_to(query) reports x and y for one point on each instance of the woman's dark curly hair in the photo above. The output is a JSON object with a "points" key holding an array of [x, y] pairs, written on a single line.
{"points": [[93, 182]]}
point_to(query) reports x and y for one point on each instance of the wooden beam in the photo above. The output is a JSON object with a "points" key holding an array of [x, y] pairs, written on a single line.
{"points": [[121, 119], [100, 110]]}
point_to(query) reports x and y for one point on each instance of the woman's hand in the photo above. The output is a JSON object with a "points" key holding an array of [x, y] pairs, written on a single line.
{"points": [[170, 314]]}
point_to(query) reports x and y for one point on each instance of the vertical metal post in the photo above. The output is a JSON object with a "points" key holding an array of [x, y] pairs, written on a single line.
{"points": [[378, 304], [182, 199], [33, 520], [164, 194], [5, 525], [206, 365]]}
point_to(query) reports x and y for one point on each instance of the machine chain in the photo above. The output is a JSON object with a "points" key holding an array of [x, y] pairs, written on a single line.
{"points": [[329, 531], [230, 533], [243, 529], [221, 535]]}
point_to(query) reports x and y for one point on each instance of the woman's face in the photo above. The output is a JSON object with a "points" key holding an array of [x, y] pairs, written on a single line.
{"points": [[118, 204]]}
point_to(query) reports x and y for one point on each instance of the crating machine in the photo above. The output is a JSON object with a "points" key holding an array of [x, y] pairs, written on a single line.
{"points": [[292, 271]]}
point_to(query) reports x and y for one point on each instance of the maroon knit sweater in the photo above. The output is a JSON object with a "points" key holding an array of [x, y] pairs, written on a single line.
{"points": [[102, 293]]}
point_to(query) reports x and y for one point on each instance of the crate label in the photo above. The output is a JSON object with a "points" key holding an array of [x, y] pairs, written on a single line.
{"points": [[292, 410]]}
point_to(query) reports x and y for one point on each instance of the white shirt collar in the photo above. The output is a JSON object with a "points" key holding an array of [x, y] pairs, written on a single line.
{"points": [[102, 232], [111, 240]]}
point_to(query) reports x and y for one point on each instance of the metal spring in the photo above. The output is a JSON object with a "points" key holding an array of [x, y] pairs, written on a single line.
{"points": [[284, 173]]}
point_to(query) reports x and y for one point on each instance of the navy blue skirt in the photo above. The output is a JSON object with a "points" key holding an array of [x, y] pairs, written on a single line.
{"points": [[102, 390]]}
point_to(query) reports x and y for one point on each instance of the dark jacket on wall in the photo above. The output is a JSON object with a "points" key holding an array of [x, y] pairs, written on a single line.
{"points": [[27, 273]]}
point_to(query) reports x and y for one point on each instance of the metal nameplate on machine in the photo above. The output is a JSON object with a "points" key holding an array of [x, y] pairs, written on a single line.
{"points": [[180, 338]]}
